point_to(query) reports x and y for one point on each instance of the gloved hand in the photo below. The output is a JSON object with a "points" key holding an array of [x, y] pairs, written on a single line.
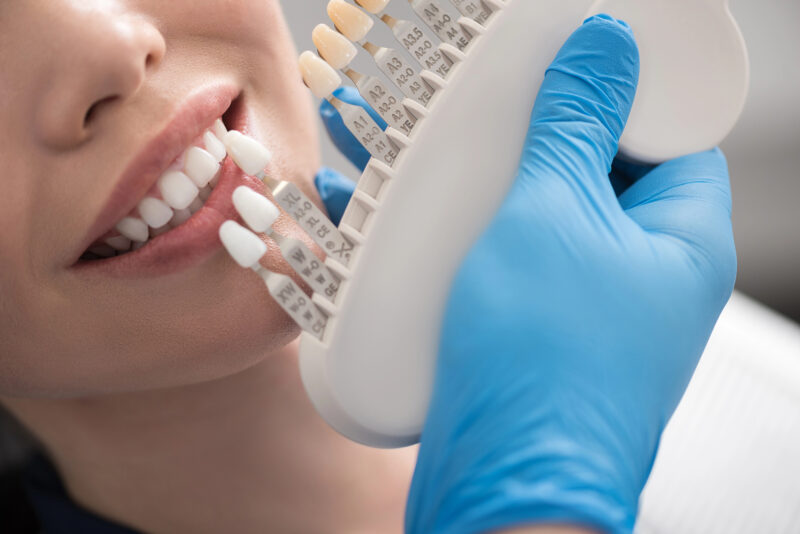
{"points": [[577, 320]]}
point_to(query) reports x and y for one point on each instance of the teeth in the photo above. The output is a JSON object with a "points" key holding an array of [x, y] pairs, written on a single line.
{"points": [[155, 212], [214, 146], [182, 194], [245, 247], [318, 75], [134, 229], [248, 154], [373, 6], [120, 243], [219, 129], [350, 20], [200, 166], [177, 189], [334, 47], [256, 210], [180, 217]]}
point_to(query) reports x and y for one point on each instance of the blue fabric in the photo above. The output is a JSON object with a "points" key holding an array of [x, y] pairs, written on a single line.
{"points": [[577, 320], [57, 513]]}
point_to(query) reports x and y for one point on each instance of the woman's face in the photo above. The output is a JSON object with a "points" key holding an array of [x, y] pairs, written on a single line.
{"points": [[99, 98]]}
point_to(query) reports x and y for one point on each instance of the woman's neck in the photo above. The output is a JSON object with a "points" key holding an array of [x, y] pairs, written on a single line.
{"points": [[246, 453]]}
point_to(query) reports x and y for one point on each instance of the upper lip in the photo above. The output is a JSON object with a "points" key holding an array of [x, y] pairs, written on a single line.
{"points": [[195, 114]]}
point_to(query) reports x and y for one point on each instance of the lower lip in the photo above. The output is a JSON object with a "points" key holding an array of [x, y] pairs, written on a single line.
{"points": [[191, 243]]}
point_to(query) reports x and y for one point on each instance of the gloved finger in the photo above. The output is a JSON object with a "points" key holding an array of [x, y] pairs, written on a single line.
{"points": [[582, 108], [338, 132], [335, 191], [688, 200]]}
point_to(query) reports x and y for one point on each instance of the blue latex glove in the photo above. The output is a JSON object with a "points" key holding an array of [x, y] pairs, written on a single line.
{"points": [[576, 322]]}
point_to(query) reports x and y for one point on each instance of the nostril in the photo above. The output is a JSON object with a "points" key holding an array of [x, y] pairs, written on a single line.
{"points": [[91, 113]]}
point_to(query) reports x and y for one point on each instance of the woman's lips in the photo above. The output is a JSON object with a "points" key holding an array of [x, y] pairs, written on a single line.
{"points": [[191, 243], [196, 239]]}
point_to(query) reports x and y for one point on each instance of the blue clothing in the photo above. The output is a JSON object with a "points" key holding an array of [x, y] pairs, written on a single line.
{"points": [[57, 513]]}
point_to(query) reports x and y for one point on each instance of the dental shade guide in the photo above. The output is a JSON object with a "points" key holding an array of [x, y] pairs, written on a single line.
{"points": [[247, 249], [424, 199], [252, 157]]}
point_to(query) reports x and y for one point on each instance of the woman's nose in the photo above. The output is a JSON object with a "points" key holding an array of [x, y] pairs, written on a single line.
{"points": [[100, 61]]}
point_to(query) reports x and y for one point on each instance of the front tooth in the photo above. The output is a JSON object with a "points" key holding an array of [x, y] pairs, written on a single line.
{"points": [[119, 242], [180, 217], [334, 47], [245, 247], [134, 229], [256, 210], [214, 146], [155, 212], [350, 20], [200, 166], [248, 154], [318, 75], [219, 129], [177, 189]]}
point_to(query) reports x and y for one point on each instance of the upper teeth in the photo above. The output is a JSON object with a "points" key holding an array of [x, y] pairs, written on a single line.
{"points": [[182, 193]]}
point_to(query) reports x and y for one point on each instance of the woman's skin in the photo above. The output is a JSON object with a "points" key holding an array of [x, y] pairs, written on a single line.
{"points": [[169, 403]]}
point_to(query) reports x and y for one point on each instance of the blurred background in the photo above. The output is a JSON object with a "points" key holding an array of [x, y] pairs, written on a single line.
{"points": [[764, 150]]}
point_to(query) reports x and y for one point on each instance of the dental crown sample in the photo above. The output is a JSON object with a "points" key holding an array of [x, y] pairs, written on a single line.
{"points": [[320, 77], [255, 209], [350, 20], [373, 6], [454, 82], [334, 47], [245, 247], [250, 155]]}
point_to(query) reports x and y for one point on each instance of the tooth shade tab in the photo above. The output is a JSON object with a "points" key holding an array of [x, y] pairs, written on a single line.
{"points": [[134, 229], [219, 129], [214, 146], [245, 247], [248, 154], [155, 212], [350, 20], [200, 166], [373, 6], [334, 47], [255, 209], [320, 77], [177, 189]]}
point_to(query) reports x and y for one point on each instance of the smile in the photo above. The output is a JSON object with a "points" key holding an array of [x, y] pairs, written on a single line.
{"points": [[167, 206]]}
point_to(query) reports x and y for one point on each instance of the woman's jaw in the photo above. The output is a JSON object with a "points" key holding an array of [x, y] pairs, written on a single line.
{"points": [[178, 310]]}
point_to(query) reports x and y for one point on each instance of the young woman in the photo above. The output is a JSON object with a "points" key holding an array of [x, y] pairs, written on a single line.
{"points": [[163, 383]]}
